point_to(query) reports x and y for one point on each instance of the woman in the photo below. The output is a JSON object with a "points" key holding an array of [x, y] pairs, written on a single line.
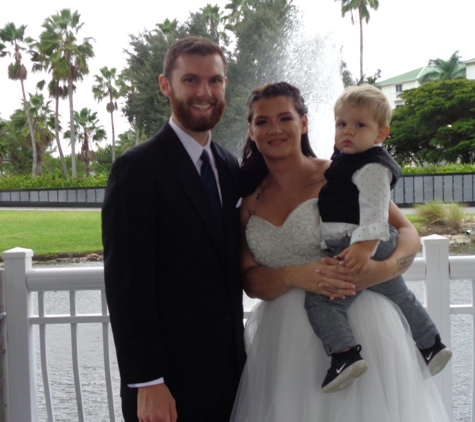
{"points": [[282, 258]]}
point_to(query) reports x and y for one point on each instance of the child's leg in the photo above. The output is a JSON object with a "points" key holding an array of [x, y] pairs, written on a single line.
{"points": [[423, 329], [329, 320]]}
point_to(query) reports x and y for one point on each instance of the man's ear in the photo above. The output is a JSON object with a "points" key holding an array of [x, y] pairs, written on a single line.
{"points": [[383, 134], [164, 85]]}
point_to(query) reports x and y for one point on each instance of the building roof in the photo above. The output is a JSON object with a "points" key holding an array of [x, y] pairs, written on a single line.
{"points": [[405, 77], [414, 75], [469, 61]]}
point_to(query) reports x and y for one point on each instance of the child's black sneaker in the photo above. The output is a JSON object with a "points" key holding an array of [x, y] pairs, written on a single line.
{"points": [[436, 356], [345, 368]]}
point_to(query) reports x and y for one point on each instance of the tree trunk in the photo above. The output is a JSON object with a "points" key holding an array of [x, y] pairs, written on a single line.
{"points": [[71, 124], [86, 152], [39, 169], [361, 47], [56, 131], [113, 129], [32, 132], [137, 134]]}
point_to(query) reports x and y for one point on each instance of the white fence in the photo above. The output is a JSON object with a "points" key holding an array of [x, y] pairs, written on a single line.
{"points": [[436, 269]]}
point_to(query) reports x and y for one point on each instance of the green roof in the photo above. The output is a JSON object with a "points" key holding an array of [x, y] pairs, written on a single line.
{"points": [[469, 61], [413, 75], [405, 77]]}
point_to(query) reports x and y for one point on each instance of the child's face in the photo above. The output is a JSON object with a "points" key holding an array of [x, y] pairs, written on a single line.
{"points": [[356, 129]]}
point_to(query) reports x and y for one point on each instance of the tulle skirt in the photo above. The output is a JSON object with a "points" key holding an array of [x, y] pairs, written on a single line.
{"points": [[286, 366]]}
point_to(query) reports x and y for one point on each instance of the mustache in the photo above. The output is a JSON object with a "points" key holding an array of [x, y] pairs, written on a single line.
{"points": [[195, 100]]}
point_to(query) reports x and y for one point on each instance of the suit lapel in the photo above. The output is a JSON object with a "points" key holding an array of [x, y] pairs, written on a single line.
{"points": [[189, 179]]}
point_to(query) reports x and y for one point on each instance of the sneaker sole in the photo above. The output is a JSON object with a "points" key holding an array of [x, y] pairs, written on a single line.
{"points": [[346, 377], [439, 361]]}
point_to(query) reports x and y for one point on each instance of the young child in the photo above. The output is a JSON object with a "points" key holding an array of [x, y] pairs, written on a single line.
{"points": [[354, 206]]}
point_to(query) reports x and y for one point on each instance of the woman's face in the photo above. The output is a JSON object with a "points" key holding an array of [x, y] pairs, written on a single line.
{"points": [[276, 127]]}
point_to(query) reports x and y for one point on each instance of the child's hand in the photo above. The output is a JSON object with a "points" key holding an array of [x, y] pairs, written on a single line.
{"points": [[357, 256]]}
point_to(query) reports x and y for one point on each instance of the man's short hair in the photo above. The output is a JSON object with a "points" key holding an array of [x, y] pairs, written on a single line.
{"points": [[369, 97], [190, 45]]}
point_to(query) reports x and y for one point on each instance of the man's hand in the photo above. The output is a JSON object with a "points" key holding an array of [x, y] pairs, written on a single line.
{"points": [[156, 404]]}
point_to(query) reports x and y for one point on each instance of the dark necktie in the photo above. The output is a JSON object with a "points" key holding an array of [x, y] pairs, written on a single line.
{"points": [[211, 187]]}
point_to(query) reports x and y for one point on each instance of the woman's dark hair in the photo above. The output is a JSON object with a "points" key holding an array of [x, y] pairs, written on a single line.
{"points": [[253, 166]]}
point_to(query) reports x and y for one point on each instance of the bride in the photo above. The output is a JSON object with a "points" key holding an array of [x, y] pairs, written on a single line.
{"points": [[282, 258]]}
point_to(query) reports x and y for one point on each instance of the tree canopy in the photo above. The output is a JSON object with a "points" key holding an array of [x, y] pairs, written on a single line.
{"points": [[258, 47], [436, 124]]}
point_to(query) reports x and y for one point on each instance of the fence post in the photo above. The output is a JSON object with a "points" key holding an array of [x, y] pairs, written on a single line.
{"points": [[3, 351], [21, 348], [437, 287]]}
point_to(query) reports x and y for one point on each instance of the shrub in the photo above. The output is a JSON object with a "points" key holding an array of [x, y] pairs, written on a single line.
{"points": [[52, 180], [433, 169], [439, 213]]}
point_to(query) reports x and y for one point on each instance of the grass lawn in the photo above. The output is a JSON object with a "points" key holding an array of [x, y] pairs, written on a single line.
{"points": [[51, 232]]}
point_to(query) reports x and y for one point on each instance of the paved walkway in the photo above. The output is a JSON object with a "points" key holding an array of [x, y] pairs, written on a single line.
{"points": [[470, 210]]}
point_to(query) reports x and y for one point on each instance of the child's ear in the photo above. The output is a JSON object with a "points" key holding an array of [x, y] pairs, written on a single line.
{"points": [[382, 134]]}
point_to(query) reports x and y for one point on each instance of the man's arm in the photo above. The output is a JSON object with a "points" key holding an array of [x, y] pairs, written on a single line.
{"points": [[129, 238]]}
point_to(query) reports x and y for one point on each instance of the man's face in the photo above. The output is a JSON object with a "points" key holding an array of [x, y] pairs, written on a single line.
{"points": [[196, 91]]}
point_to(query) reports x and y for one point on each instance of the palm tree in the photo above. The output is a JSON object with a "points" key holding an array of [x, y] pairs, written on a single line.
{"points": [[445, 69], [212, 16], [108, 86], [128, 89], [42, 121], [68, 58], [17, 72], [363, 7], [238, 11], [88, 130], [56, 90]]}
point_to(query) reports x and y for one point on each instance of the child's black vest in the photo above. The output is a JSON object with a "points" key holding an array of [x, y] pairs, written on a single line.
{"points": [[338, 199]]}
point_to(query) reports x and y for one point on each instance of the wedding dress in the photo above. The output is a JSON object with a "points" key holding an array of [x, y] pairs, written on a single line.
{"points": [[286, 363]]}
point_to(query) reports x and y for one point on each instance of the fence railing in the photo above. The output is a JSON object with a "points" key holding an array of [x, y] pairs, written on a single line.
{"points": [[435, 268]]}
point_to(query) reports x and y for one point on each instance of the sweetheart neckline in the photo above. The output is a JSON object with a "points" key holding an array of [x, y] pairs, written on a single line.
{"points": [[288, 217]]}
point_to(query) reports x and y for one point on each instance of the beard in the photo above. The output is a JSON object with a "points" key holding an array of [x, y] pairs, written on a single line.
{"points": [[182, 111]]}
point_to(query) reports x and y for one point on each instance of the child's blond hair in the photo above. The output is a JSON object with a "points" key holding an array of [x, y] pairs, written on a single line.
{"points": [[369, 97]]}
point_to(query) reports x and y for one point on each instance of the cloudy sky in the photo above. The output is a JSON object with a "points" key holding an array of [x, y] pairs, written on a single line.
{"points": [[401, 36]]}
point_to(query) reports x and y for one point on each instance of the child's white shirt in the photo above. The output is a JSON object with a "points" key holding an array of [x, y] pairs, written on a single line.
{"points": [[373, 182]]}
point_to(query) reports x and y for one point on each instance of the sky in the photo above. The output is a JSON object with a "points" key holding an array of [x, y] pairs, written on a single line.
{"points": [[402, 35]]}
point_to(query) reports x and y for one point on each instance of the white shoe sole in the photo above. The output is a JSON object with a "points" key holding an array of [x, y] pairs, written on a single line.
{"points": [[347, 377], [439, 361]]}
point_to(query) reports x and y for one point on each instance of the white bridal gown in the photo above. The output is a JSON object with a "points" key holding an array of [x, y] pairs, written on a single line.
{"points": [[286, 363]]}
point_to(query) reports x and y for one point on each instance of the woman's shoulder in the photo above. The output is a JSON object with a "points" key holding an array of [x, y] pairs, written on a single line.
{"points": [[321, 163], [319, 166], [249, 204]]}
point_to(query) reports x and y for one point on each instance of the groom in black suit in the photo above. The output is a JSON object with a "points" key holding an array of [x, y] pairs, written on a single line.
{"points": [[171, 253]]}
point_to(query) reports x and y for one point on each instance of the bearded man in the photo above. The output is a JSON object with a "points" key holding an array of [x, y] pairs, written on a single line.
{"points": [[171, 247]]}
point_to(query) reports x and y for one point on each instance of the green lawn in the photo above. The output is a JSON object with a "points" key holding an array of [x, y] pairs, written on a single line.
{"points": [[51, 232]]}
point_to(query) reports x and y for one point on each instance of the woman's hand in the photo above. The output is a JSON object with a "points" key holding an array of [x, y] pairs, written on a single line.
{"points": [[326, 277]]}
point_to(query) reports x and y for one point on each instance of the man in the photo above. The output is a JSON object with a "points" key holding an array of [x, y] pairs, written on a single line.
{"points": [[172, 253]]}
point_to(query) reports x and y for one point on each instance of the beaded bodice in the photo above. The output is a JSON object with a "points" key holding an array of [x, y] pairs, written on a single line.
{"points": [[297, 241]]}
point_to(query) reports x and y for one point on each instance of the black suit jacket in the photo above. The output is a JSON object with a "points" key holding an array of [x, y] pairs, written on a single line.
{"points": [[174, 294]]}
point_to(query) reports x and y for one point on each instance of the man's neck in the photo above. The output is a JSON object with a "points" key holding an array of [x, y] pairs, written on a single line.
{"points": [[200, 137]]}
